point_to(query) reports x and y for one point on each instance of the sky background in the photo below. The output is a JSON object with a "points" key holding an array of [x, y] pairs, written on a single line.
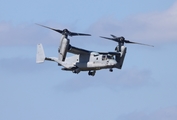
{"points": [[144, 89]]}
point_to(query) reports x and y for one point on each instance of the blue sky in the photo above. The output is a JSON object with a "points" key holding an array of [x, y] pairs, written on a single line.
{"points": [[145, 88]]}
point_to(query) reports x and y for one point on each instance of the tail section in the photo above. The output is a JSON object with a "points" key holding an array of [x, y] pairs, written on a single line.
{"points": [[40, 56]]}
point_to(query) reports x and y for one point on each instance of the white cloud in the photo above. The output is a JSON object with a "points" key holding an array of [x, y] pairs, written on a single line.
{"points": [[17, 65], [26, 34], [157, 26], [129, 79], [169, 113]]}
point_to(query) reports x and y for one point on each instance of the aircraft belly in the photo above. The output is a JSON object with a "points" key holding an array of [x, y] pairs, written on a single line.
{"points": [[90, 66]]}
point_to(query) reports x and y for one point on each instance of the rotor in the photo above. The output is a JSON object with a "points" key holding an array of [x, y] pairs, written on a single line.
{"points": [[66, 32], [121, 40]]}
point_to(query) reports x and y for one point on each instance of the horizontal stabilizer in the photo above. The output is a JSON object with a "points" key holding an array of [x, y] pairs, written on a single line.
{"points": [[40, 56]]}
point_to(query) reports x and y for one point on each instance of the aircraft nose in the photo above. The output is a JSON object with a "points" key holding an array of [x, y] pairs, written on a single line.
{"points": [[112, 62]]}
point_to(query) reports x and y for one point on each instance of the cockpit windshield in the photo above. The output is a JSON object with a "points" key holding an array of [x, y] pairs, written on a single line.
{"points": [[110, 57], [105, 57]]}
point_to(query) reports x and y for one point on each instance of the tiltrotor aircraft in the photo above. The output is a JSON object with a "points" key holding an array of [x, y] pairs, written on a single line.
{"points": [[85, 60]]}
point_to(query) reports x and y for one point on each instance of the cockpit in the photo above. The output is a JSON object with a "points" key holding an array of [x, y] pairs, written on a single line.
{"points": [[105, 57]]}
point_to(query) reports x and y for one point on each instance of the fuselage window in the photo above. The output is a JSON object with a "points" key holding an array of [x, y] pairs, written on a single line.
{"points": [[104, 57], [110, 57]]}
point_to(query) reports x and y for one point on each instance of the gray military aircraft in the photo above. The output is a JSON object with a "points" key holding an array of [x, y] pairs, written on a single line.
{"points": [[85, 60]]}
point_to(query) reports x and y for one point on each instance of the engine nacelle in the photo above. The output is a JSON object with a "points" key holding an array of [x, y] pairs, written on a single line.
{"points": [[63, 49], [120, 59]]}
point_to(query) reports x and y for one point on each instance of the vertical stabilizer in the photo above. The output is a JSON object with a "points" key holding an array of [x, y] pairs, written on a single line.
{"points": [[40, 56]]}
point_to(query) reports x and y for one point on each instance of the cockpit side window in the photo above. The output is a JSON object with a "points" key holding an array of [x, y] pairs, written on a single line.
{"points": [[104, 57], [110, 57]]}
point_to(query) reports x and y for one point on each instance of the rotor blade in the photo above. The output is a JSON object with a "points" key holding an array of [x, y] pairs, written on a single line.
{"points": [[117, 37], [114, 36], [127, 41], [79, 34], [109, 38], [65, 31], [57, 30]]}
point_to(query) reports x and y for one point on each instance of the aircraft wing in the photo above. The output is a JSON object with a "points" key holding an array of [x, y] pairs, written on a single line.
{"points": [[111, 53], [76, 50]]}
